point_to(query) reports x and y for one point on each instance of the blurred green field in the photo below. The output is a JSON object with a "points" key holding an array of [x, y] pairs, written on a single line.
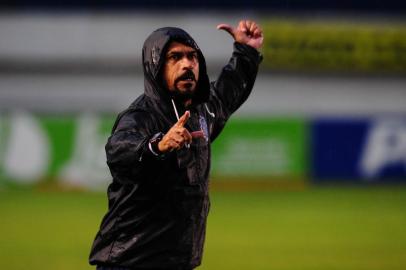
{"points": [[314, 228]]}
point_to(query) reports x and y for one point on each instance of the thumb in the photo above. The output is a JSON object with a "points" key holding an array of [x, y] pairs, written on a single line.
{"points": [[197, 134], [227, 28], [183, 119]]}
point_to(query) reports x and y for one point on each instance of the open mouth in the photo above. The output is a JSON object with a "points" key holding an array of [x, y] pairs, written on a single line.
{"points": [[190, 77], [187, 83]]}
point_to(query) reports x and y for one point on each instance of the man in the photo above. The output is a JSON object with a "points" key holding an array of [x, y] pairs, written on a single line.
{"points": [[159, 151]]}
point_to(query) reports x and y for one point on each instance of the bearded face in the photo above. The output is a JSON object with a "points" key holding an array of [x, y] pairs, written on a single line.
{"points": [[181, 69]]}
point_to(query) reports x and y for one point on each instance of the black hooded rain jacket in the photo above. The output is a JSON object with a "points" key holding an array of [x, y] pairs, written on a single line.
{"points": [[158, 205]]}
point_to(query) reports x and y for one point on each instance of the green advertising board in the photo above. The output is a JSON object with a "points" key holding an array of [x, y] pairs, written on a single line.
{"points": [[262, 148], [69, 149]]}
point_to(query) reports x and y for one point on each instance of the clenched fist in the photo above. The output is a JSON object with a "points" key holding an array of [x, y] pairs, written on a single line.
{"points": [[247, 32]]}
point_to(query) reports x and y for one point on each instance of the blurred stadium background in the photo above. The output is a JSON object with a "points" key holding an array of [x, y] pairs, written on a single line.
{"points": [[309, 174]]}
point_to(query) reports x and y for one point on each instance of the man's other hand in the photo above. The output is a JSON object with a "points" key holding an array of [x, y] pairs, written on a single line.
{"points": [[247, 32], [178, 136]]}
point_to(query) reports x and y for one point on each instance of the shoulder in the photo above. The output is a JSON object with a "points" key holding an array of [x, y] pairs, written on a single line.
{"points": [[136, 115]]}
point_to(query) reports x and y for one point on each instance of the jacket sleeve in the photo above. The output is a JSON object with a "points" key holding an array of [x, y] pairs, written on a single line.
{"points": [[127, 147], [233, 85]]}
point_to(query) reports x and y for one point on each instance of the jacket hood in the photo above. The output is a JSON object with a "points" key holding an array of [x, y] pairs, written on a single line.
{"points": [[153, 57]]}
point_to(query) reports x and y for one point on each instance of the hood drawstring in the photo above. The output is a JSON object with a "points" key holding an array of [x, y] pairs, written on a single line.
{"points": [[174, 108], [177, 117], [207, 109]]}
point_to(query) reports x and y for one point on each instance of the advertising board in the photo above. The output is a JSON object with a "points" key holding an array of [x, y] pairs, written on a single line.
{"points": [[263, 147], [69, 149], [361, 149]]}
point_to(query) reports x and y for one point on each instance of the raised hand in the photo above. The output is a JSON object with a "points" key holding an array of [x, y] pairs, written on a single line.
{"points": [[247, 32], [178, 135]]}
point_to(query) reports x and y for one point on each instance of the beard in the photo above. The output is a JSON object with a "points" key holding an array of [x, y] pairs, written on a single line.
{"points": [[188, 89], [183, 95]]}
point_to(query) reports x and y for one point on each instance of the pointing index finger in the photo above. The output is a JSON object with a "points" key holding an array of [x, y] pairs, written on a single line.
{"points": [[183, 119]]}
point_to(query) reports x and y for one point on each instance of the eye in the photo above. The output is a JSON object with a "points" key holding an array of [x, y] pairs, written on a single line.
{"points": [[192, 56], [175, 56]]}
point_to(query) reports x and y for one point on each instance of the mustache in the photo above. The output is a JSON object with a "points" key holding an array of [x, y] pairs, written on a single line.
{"points": [[187, 75]]}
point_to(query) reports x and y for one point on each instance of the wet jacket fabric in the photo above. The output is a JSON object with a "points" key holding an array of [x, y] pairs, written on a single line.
{"points": [[158, 205]]}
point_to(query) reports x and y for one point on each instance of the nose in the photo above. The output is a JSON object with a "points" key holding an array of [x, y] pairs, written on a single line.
{"points": [[188, 63]]}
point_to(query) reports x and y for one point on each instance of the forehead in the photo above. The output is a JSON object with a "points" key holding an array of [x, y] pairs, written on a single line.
{"points": [[175, 46]]}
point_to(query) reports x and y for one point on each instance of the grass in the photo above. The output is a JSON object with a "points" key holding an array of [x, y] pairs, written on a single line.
{"points": [[315, 228]]}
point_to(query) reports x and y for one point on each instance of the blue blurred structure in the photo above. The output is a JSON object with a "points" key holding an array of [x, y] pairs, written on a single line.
{"points": [[359, 149]]}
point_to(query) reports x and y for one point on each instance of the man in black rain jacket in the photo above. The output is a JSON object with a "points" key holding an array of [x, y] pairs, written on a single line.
{"points": [[159, 151]]}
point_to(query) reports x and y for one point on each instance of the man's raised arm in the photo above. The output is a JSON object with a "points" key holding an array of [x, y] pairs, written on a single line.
{"points": [[236, 80]]}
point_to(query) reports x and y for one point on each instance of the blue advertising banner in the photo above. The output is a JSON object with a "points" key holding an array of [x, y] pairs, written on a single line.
{"points": [[366, 149]]}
